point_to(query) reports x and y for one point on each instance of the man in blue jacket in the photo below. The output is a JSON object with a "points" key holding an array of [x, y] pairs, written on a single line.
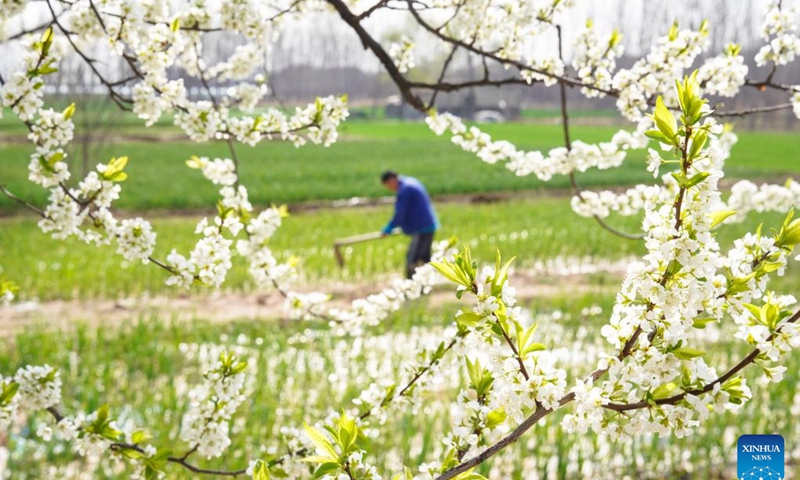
{"points": [[413, 213]]}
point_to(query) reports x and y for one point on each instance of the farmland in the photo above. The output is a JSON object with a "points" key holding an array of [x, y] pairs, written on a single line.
{"points": [[277, 172], [143, 365]]}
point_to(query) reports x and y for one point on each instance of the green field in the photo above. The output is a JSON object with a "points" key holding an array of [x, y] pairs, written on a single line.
{"points": [[300, 371], [540, 229], [277, 172]]}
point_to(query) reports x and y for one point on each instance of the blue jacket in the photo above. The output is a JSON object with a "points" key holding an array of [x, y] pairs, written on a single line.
{"points": [[413, 211]]}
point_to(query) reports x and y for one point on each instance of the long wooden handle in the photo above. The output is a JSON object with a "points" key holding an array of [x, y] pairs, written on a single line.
{"points": [[358, 238], [337, 244]]}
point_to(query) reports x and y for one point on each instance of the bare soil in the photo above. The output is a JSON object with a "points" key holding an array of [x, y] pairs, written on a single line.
{"points": [[223, 306]]}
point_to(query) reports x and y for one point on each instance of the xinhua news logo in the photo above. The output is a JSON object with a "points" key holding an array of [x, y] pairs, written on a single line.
{"points": [[760, 457]]}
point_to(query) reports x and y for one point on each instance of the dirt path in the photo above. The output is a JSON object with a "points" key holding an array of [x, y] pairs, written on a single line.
{"points": [[231, 306]]}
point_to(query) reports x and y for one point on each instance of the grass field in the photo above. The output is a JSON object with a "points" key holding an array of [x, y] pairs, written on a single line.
{"points": [[539, 229], [143, 370], [544, 228], [276, 172]]}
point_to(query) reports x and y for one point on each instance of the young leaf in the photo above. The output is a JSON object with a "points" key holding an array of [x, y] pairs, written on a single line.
{"points": [[664, 120], [664, 391], [69, 111], [720, 216], [702, 322], [261, 471], [697, 179], [324, 446], [698, 142], [686, 353], [496, 417]]}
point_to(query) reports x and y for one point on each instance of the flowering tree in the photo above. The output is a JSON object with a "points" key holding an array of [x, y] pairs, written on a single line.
{"points": [[651, 379]]}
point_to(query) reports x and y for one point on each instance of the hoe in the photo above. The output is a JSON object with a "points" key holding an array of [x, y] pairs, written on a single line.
{"points": [[338, 244]]}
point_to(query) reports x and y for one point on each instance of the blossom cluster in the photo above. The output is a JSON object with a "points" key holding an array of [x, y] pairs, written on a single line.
{"points": [[503, 27], [655, 73], [559, 161], [745, 197], [374, 308], [594, 59], [681, 284], [39, 387], [23, 94], [402, 54], [601, 204], [36, 388], [778, 30], [205, 424], [420, 374], [724, 74], [511, 375]]}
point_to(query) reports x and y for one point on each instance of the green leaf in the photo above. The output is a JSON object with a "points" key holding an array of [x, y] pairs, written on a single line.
{"points": [[238, 368], [8, 393], [46, 165], [55, 158], [46, 41], [673, 267], [682, 179], [118, 177], [131, 453], [140, 436], [118, 164], [324, 446], [69, 111], [261, 471], [698, 142], [496, 417], [664, 120], [697, 179], [732, 49], [769, 267], [46, 70], [194, 162], [702, 322], [326, 469], [534, 347], [614, 39], [150, 473], [348, 433], [448, 271], [791, 235], [686, 353], [673, 31], [720, 216], [468, 319], [469, 475], [500, 275], [317, 459], [664, 391]]}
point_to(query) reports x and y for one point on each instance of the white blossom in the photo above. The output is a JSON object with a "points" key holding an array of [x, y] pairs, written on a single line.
{"points": [[39, 387], [135, 239]]}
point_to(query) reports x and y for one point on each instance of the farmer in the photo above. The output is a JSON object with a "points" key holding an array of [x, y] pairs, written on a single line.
{"points": [[414, 214]]}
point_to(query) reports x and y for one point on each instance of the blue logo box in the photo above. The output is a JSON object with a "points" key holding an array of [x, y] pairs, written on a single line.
{"points": [[760, 457]]}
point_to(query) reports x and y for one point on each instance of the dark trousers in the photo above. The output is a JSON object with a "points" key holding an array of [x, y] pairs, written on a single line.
{"points": [[419, 252]]}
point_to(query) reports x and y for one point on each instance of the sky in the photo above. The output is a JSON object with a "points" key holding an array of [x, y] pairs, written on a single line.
{"points": [[321, 40]]}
